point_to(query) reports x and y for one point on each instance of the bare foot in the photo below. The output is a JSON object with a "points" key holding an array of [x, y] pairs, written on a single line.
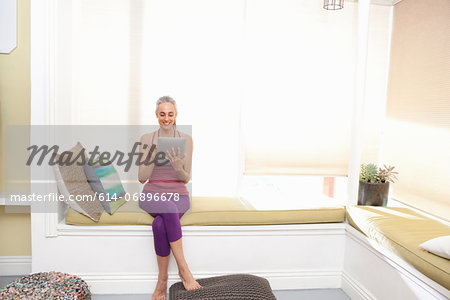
{"points": [[160, 290], [188, 280]]}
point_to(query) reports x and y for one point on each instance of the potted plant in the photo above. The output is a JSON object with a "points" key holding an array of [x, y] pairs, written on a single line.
{"points": [[374, 184]]}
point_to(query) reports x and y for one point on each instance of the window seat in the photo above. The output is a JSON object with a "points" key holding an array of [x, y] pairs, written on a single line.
{"points": [[402, 230], [217, 211]]}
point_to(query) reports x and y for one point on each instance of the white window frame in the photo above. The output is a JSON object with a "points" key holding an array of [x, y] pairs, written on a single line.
{"points": [[43, 70]]}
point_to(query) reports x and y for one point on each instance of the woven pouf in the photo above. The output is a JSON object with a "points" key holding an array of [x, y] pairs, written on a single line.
{"points": [[47, 285], [228, 287]]}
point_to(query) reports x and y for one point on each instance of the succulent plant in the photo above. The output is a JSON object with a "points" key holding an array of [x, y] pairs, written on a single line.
{"points": [[386, 174], [371, 173], [368, 173]]}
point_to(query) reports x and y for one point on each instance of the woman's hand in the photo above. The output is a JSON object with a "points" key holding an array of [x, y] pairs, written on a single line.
{"points": [[175, 159]]}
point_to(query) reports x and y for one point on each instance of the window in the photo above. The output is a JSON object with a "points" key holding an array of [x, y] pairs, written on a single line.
{"points": [[266, 85], [294, 192]]}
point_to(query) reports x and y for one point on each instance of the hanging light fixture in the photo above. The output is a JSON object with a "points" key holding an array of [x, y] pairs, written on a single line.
{"points": [[333, 4]]}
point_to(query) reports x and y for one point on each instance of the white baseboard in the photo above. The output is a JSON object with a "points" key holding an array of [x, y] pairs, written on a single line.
{"points": [[354, 289], [15, 265], [145, 283], [312, 279]]}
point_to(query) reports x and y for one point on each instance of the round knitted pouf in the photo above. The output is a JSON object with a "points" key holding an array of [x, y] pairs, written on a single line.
{"points": [[47, 285], [228, 287]]}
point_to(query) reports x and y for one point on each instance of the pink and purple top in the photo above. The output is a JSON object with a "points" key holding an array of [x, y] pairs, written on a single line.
{"points": [[164, 179]]}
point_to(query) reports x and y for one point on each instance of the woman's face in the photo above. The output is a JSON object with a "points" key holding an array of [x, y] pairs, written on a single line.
{"points": [[166, 115]]}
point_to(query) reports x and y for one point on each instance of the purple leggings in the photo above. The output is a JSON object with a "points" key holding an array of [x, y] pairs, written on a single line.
{"points": [[166, 225]]}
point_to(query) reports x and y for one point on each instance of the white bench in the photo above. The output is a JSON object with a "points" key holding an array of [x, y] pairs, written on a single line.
{"points": [[121, 259], [373, 272]]}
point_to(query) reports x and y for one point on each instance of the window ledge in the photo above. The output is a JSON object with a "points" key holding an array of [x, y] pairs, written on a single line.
{"points": [[247, 230]]}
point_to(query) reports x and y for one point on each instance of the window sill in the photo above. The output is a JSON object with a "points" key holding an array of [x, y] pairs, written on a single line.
{"points": [[242, 230]]}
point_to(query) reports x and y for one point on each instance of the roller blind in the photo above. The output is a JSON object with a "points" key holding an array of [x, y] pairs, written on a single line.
{"points": [[417, 136], [299, 85], [284, 68], [115, 58]]}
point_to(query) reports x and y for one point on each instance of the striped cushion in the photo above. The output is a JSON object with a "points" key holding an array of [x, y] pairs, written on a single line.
{"points": [[114, 192]]}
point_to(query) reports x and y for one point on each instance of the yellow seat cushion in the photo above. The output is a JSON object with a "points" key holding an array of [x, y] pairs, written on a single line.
{"points": [[216, 211], [402, 230]]}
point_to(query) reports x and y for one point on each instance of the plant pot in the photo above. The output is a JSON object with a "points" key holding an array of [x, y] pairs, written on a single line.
{"points": [[374, 194]]}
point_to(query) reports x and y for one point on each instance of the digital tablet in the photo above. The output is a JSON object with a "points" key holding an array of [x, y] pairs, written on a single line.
{"points": [[167, 143]]}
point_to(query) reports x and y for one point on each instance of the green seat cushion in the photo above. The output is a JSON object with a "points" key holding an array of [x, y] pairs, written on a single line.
{"points": [[402, 230], [216, 211]]}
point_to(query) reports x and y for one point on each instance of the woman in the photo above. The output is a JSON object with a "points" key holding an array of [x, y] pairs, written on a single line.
{"points": [[169, 179]]}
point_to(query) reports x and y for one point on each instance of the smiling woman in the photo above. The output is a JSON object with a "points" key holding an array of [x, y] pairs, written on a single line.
{"points": [[165, 180], [166, 112]]}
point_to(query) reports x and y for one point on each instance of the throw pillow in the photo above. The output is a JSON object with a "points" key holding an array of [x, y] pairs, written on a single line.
{"points": [[439, 246], [72, 184], [106, 176]]}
